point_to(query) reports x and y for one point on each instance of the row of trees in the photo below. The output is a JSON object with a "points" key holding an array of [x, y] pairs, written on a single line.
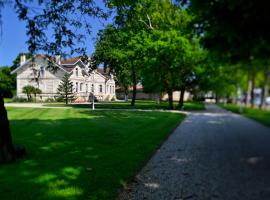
{"points": [[236, 33], [217, 46], [151, 42]]}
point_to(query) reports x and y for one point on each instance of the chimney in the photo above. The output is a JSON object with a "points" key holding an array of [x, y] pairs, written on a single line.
{"points": [[58, 59], [22, 59]]}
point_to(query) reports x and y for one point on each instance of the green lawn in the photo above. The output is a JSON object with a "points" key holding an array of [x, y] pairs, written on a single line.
{"points": [[80, 154], [7, 100], [140, 104], [262, 116]]}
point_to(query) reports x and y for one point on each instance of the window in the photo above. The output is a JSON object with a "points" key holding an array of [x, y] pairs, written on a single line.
{"points": [[110, 89], [92, 87], [76, 87], [42, 71], [86, 87], [81, 87], [100, 88], [113, 89], [77, 73], [107, 89]]}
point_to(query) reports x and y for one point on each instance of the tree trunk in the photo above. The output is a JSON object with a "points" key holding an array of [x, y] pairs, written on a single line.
{"points": [[265, 88], [134, 82], [170, 98], [7, 151], [126, 97], [181, 99], [252, 95], [217, 99], [66, 99], [248, 97]]}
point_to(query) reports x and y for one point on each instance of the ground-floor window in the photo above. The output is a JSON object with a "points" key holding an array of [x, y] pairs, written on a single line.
{"points": [[81, 86], [76, 87], [100, 88]]}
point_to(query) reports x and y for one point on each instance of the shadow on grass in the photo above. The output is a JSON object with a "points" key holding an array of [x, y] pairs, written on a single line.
{"points": [[82, 158]]}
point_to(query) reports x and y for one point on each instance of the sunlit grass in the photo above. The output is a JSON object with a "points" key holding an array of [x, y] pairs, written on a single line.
{"points": [[78, 153], [140, 104]]}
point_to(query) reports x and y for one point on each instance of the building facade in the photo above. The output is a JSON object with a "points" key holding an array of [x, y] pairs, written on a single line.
{"points": [[36, 72]]}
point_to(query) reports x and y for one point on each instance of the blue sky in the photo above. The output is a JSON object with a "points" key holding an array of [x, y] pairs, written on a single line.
{"points": [[13, 39]]}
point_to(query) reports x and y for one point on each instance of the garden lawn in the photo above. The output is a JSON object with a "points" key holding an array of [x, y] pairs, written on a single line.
{"points": [[80, 154], [140, 104], [262, 116]]}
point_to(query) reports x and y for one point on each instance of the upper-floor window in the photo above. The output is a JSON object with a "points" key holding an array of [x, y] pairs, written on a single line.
{"points": [[76, 72], [42, 71], [100, 88]]}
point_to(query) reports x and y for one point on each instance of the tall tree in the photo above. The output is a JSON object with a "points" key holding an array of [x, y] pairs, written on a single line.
{"points": [[65, 89]]}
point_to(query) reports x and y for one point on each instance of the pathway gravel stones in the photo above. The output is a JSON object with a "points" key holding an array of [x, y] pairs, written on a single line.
{"points": [[212, 155]]}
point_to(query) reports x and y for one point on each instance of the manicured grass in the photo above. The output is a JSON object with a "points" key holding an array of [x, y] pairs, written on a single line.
{"points": [[140, 104], [262, 116], [78, 153], [7, 100]]}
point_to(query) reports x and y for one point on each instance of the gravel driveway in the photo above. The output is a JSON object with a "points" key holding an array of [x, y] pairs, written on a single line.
{"points": [[212, 155]]}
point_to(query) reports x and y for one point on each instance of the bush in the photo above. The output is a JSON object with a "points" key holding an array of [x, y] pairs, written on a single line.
{"points": [[19, 99], [49, 100]]}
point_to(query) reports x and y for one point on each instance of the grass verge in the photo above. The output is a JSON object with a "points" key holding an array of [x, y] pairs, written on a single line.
{"points": [[262, 116]]}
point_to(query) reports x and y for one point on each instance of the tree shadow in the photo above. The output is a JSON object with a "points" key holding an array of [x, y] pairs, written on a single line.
{"points": [[84, 157]]}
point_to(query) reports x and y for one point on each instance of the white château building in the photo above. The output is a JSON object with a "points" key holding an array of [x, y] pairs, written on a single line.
{"points": [[35, 72]]}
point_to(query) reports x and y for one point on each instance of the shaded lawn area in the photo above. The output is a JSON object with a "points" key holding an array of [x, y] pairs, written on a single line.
{"points": [[140, 104], [80, 154], [262, 116]]}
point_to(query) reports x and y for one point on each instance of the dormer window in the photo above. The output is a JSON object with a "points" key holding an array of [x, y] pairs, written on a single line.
{"points": [[77, 73]]}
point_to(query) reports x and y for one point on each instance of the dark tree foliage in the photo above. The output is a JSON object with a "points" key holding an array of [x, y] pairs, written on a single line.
{"points": [[7, 81], [64, 19], [16, 62], [65, 89], [233, 28]]}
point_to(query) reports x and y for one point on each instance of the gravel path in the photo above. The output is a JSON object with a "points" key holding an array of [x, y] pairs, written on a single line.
{"points": [[211, 155]]}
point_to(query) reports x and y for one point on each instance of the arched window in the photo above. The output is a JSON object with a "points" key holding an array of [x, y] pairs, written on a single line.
{"points": [[77, 73], [110, 89], [113, 89], [86, 87], [100, 88], [107, 89]]}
